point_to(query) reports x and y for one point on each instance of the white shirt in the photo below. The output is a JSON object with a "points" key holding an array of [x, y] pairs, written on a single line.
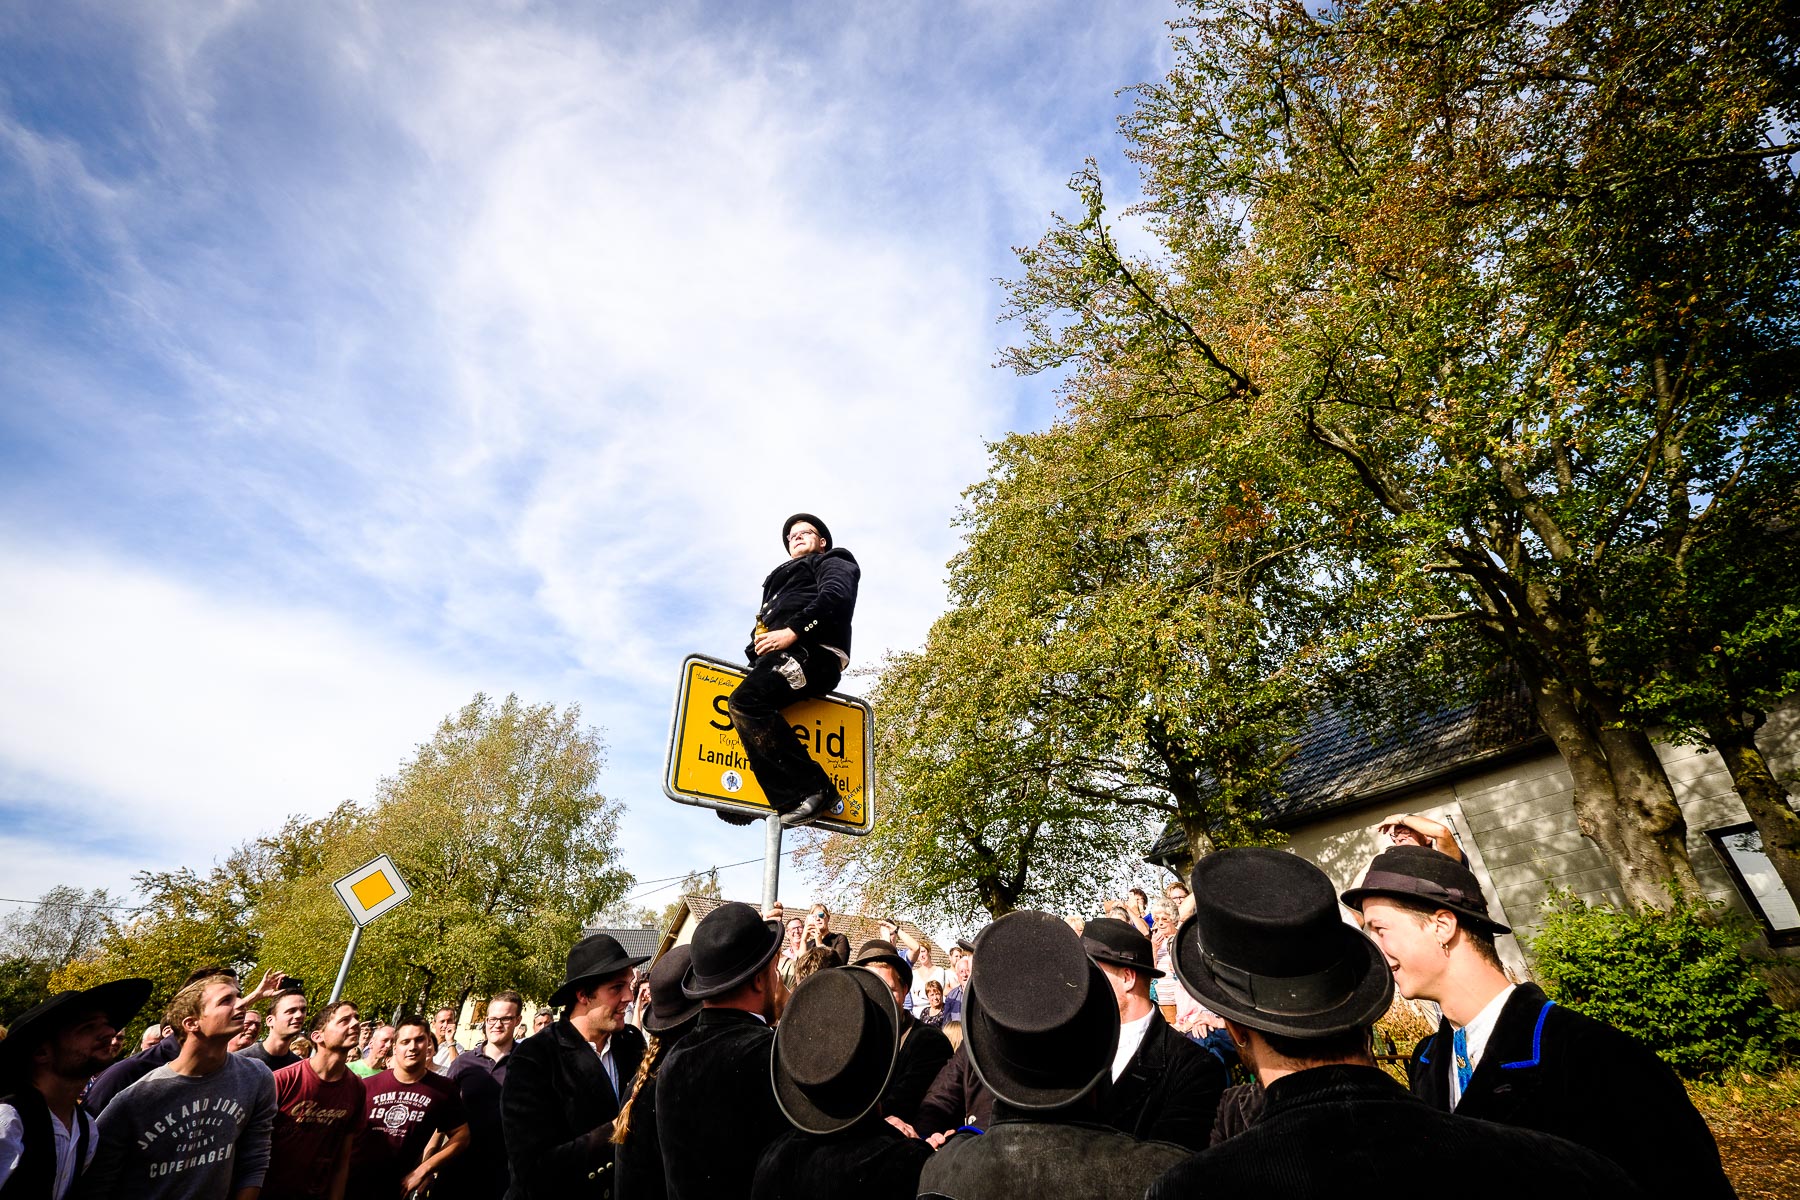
{"points": [[608, 1065], [12, 1148], [1131, 1036], [1476, 1034]]}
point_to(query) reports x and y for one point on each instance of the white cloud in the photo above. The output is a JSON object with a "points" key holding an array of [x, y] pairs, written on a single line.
{"points": [[139, 708], [495, 342]]}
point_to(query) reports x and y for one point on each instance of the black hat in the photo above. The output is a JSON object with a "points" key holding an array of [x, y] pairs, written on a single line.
{"points": [[731, 944], [120, 1000], [1266, 947], [965, 945], [810, 520], [1039, 1018], [1110, 940], [1421, 873], [877, 951], [669, 1005], [596, 956], [835, 1049]]}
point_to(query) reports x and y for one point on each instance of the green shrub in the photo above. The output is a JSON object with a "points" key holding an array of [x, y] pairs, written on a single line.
{"points": [[1678, 981]]}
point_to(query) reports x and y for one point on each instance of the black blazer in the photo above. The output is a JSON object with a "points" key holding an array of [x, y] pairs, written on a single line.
{"points": [[923, 1053], [1168, 1092], [957, 1096], [1352, 1133], [715, 1107], [555, 1098], [1049, 1159], [870, 1161], [1549, 1068]]}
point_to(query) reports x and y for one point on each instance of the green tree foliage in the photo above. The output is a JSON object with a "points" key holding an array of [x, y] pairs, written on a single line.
{"points": [[1508, 287], [497, 824], [66, 923], [1676, 981]]}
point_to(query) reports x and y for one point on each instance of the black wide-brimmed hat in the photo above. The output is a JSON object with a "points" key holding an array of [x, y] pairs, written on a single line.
{"points": [[1039, 1018], [878, 950], [817, 524], [835, 1049], [1110, 940], [1266, 947], [966, 945], [120, 1000], [1421, 873], [669, 1005], [596, 956], [731, 944]]}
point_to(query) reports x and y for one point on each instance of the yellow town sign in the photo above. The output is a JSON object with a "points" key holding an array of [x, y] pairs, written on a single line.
{"points": [[707, 767]]}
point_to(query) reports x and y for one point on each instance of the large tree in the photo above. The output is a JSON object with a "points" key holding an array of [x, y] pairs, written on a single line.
{"points": [[499, 827], [1511, 284], [497, 824]]}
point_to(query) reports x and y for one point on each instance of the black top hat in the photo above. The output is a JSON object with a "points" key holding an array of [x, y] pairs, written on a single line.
{"points": [[1266, 947], [835, 1049], [596, 956], [1039, 1018], [120, 1000], [1110, 940], [876, 950], [669, 1005], [1421, 873], [731, 944], [810, 520]]}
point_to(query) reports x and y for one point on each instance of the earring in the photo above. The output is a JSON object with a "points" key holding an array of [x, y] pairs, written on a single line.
{"points": [[1445, 947]]}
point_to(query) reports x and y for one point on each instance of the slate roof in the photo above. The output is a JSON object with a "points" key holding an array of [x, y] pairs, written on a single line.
{"points": [[637, 942], [1340, 761], [854, 926]]}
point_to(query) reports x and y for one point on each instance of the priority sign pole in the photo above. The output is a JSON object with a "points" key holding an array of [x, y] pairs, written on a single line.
{"points": [[337, 989]]}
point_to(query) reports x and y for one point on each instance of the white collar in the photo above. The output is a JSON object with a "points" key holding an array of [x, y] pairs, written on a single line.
{"points": [[1477, 1032], [1131, 1036]]}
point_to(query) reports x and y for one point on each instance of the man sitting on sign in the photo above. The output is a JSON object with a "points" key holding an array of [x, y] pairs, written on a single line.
{"points": [[798, 651]]}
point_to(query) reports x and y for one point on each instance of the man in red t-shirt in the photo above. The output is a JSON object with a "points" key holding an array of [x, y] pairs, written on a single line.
{"points": [[407, 1104], [319, 1111]]}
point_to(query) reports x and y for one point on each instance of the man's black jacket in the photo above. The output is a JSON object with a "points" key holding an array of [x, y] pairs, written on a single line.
{"points": [[923, 1053], [1352, 1133], [956, 1097], [1550, 1068], [715, 1107], [815, 596], [869, 1161], [555, 1099], [1169, 1091], [1051, 1158]]}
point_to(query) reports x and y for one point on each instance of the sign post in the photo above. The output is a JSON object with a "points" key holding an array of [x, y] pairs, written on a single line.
{"points": [[706, 764], [368, 892]]}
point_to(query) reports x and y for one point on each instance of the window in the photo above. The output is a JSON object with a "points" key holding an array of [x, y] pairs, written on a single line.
{"points": [[1741, 850]]}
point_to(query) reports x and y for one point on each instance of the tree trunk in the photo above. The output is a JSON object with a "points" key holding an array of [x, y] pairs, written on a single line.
{"points": [[1639, 858], [1643, 788], [1763, 795]]}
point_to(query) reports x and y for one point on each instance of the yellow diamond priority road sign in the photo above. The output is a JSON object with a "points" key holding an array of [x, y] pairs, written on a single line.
{"points": [[707, 767], [372, 889]]}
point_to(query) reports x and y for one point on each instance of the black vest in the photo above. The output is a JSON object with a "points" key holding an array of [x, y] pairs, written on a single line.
{"points": [[35, 1176]]}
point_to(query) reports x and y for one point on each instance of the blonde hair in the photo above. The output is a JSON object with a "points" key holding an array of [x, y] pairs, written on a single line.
{"points": [[188, 1000], [653, 1053]]}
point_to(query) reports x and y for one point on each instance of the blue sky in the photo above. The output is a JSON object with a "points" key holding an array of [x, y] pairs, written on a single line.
{"points": [[361, 357]]}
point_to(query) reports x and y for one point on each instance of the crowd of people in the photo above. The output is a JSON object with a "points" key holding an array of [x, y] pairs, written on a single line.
{"points": [[1054, 1056]]}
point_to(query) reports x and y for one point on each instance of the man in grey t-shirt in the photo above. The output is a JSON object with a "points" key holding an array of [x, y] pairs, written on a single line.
{"points": [[198, 1128]]}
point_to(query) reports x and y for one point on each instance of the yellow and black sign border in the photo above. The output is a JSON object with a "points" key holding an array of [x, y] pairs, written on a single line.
{"points": [[699, 799]]}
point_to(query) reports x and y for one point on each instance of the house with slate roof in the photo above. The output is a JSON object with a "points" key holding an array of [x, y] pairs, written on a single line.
{"points": [[1488, 772]]}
